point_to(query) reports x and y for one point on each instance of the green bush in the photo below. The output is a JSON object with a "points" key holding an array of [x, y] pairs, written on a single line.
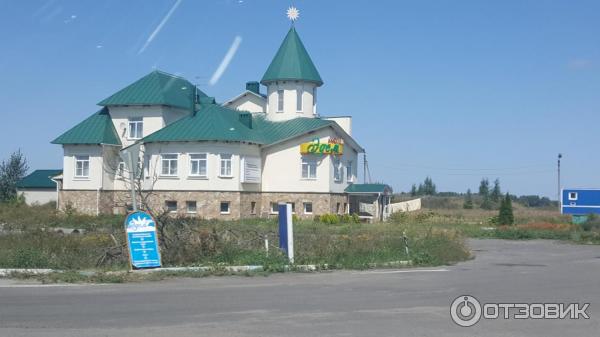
{"points": [[330, 219], [592, 223]]}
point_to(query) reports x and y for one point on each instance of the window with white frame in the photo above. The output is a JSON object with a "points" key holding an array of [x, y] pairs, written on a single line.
{"points": [[309, 168], [314, 100], [121, 170], [171, 206], [572, 195], [169, 164], [280, 100], [198, 164], [274, 207], [82, 166], [191, 207], [308, 208], [299, 92], [337, 170], [225, 167], [349, 172], [136, 127], [225, 207]]}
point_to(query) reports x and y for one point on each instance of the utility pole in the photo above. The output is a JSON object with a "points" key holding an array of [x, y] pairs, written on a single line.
{"points": [[559, 190]]}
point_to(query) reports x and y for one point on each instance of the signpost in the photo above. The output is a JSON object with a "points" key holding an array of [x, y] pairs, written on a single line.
{"points": [[286, 230], [142, 240]]}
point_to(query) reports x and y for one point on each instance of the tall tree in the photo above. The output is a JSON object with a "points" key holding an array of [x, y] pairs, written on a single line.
{"points": [[413, 190], [11, 171], [484, 187], [496, 194], [429, 187], [505, 216], [468, 204]]}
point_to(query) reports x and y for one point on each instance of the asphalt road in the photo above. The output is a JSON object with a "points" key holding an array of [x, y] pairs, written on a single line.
{"points": [[370, 303]]}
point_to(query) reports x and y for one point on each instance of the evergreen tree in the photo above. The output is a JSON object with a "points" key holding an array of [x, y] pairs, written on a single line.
{"points": [[11, 171], [413, 190], [484, 187], [496, 193], [429, 187], [468, 200], [505, 216], [420, 190]]}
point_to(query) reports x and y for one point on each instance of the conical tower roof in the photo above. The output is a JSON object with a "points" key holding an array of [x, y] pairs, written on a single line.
{"points": [[292, 62]]}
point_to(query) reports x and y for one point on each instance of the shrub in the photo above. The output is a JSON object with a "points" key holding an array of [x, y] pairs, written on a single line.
{"points": [[330, 219], [592, 223]]}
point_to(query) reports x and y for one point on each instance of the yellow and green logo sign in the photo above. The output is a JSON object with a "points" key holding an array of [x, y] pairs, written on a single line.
{"points": [[333, 147]]}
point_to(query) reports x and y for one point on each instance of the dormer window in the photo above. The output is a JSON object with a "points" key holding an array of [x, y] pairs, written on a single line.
{"points": [[280, 100], [136, 128]]}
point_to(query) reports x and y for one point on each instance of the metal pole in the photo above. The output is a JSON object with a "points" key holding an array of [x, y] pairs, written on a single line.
{"points": [[365, 167], [132, 177], [559, 194]]}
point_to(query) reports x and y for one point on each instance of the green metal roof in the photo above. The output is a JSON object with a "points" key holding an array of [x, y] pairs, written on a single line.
{"points": [[39, 179], [217, 123], [96, 129], [292, 62], [156, 88], [367, 188]]}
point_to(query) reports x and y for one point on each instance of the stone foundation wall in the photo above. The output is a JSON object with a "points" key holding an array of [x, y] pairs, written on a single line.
{"points": [[208, 204]]}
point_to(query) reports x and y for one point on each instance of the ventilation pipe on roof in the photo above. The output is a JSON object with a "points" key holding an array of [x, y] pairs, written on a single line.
{"points": [[253, 86]]}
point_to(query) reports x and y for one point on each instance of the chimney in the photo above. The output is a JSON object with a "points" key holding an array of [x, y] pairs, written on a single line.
{"points": [[246, 119], [253, 86]]}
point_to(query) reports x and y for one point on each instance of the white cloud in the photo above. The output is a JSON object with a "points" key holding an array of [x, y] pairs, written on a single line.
{"points": [[226, 60], [160, 26]]}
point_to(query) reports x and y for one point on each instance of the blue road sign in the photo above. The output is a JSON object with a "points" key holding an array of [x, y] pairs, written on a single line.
{"points": [[142, 240]]}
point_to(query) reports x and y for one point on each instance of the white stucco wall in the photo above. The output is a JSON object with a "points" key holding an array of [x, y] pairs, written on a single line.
{"points": [[289, 107], [94, 181], [154, 118], [38, 196], [282, 166], [248, 102], [345, 122]]}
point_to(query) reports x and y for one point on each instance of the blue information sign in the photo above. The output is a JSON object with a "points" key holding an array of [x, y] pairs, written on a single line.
{"points": [[141, 239]]}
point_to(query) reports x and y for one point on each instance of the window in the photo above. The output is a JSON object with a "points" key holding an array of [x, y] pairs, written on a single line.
{"points": [[225, 165], [274, 207], [171, 206], [121, 170], [191, 207], [315, 101], [198, 164], [299, 93], [225, 207], [309, 168], [337, 208], [82, 166], [349, 173], [168, 164], [280, 100], [572, 195], [293, 206], [308, 208], [136, 127], [337, 170], [253, 207]]}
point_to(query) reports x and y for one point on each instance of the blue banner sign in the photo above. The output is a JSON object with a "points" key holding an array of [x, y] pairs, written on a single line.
{"points": [[142, 240]]}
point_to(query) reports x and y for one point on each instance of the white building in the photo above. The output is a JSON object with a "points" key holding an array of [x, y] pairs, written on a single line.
{"points": [[226, 161], [38, 187]]}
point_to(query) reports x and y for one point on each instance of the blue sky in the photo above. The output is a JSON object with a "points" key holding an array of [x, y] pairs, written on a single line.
{"points": [[457, 90]]}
